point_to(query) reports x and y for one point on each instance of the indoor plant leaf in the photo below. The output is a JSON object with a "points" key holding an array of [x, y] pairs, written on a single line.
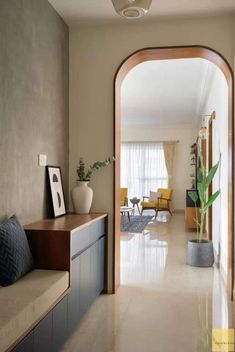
{"points": [[211, 174], [201, 192], [199, 174], [203, 182], [193, 196], [202, 168], [211, 200]]}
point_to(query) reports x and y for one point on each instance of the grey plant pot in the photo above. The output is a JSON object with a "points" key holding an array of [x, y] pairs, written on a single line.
{"points": [[200, 253]]}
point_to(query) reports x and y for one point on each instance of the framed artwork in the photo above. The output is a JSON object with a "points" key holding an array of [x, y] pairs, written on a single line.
{"points": [[57, 194]]}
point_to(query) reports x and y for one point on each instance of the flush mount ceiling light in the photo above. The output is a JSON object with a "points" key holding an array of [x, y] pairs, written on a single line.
{"points": [[131, 8]]}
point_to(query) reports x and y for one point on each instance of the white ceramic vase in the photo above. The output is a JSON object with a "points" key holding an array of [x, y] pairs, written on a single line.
{"points": [[82, 196]]}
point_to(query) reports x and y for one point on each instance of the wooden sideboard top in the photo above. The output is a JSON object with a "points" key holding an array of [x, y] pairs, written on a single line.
{"points": [[67, 222]]}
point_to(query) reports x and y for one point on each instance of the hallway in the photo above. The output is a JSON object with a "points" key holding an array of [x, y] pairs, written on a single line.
{"points": [[162, 305]]}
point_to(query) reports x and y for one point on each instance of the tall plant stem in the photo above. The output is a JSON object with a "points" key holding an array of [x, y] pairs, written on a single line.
{"points": [[195, 204], [201, 226]]}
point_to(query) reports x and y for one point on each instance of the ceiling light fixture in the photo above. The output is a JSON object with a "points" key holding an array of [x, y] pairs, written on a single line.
{"points": [[131, 9]]}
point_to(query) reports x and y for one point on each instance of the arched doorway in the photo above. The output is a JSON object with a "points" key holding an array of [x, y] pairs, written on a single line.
{"points": [[167, 53]]}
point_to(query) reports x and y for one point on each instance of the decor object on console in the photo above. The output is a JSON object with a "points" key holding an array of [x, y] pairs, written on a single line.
{"points": [[82, 194], [200, 251], [131, 9], [57, 194]]}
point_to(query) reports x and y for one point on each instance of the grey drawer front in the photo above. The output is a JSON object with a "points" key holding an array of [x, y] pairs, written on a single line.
{"points": [[59, 324], [97, 230], [80, 240], [25, 345], [43, 335]]}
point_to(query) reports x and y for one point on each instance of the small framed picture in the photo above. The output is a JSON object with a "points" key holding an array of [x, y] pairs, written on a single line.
{"points": [[57, 194]]}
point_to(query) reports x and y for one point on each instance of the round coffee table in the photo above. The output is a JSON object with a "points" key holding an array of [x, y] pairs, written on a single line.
{"points": [[135, 201]]}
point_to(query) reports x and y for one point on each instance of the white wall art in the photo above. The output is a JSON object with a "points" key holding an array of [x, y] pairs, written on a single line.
{"points": [[57, 193]]}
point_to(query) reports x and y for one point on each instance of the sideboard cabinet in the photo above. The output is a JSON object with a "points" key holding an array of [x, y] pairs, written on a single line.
{"points": [[75, 243]]}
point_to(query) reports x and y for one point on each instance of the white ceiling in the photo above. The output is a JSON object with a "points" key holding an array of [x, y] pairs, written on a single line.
{"points": [[166, 92], [103, 11]]}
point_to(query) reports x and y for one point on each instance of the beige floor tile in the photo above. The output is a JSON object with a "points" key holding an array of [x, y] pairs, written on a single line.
{"points": [[162, 305]]}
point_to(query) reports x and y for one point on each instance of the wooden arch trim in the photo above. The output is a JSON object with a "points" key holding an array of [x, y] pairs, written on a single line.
{"points": [[170, 53]]}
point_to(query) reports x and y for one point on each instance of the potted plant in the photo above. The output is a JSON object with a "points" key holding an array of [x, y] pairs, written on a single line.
{"points": [[82, 194], [200, 251]]}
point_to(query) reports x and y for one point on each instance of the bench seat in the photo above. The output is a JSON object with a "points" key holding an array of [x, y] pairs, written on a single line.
{"points": [[25, 302]]}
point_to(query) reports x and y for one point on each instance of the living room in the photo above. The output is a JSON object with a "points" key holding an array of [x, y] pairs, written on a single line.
{"points": [[196, 89]]}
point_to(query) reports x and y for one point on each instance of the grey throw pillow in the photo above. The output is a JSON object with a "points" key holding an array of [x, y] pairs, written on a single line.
{"points": [[15, 256]]}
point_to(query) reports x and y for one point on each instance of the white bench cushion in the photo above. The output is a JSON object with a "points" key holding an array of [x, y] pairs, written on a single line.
{"points": [[26, 301]]}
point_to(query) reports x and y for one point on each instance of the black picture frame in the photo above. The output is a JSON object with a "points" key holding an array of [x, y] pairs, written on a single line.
{"points": [[56, 190]]}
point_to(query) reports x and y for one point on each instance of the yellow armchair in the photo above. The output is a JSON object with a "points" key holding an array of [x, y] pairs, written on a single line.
{"points": [[162, 204], [123, 197]]}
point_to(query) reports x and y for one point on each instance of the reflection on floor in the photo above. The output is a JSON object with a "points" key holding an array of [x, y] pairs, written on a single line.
{"points": [[162, 305]]}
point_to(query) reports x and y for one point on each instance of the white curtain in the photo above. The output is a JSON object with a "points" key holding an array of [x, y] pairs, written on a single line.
{"points": [[143, 168], [169, 153]]}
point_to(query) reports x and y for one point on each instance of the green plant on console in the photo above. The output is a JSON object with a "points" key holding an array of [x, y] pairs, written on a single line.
{"points": [[203, 182], [85, 174]]}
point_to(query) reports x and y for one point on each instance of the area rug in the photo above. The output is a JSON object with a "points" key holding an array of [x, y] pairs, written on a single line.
{"points": [[136, 224]]}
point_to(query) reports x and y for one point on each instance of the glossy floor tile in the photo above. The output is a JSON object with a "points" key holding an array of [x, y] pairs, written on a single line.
{"points": [[162, 305]]}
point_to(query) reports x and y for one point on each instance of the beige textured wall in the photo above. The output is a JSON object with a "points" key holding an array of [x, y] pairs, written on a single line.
{"points": [[95, 54], [33, 104]]}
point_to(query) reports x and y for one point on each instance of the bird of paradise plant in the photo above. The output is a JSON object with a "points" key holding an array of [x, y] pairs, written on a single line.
{"points": [[204, 179]]}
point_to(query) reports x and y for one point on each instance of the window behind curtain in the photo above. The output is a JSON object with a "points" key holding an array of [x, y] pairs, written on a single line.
{"points": [[143, 168]]}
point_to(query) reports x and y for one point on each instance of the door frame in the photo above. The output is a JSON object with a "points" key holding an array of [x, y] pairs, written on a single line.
{"points": [[210, 163], [166, 53]]}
